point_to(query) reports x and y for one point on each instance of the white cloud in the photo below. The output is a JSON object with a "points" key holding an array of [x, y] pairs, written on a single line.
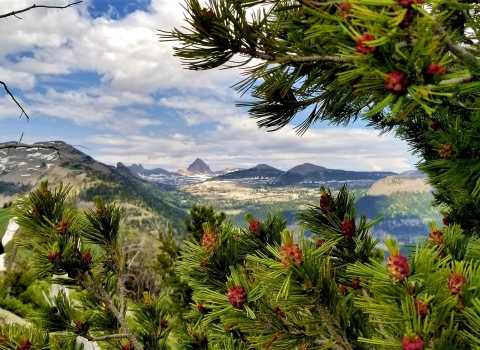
{"points": [[133, 66]]}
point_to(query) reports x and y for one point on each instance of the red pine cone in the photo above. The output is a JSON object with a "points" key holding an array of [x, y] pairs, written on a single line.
{"points": [[209, 240], [79, 325], [279, 311], [86, 258], [254, 227], [237, 297], [201, 308], [361, 46], [412, 342], [54, 257], [25, 345], [355, 283], [164, 322], [343, 289], [421, 309], [324, 198], [408, 3], [435, 238], [348, 228], [203, 266], [62, 227], [407, 19], [455, 283], [447, 221], [345, 10], [319, 242], [126, 347], [291, 254], [436, 69], [435, 126], [396, 82], [398, 267]]}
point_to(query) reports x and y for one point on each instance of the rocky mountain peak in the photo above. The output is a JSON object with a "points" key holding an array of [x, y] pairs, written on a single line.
{"points": [[199, 167], [137, 169]]}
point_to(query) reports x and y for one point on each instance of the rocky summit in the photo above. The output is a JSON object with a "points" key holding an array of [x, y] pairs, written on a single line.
{"points": [[199, 167]]}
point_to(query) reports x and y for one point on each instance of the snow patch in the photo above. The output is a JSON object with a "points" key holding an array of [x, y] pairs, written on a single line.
{"points": [[12, 229]]}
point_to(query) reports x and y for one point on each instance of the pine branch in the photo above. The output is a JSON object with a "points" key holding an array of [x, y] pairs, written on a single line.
{"points": [[315, 4], [15, 13], [459, 51], [333, 328], [309, 59], [314, 59], [99, 292], [105, 337], [256, 54], [455, 81], [14, 100]]}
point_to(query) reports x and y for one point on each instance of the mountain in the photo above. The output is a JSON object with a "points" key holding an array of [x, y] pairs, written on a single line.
{"points": [[310, 173], [199, 167], [140, 170], [149, 208], [259, 172], [404, 200], [405, 182]]}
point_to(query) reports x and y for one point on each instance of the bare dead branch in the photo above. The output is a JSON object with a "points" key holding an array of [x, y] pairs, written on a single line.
{"points": [[14, 100], [15, 13], [10, 145]]}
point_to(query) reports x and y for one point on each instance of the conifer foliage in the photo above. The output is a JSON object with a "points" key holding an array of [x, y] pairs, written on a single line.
{"points": [[410, 67], [258, 287], [333, 290], [81, 251]]}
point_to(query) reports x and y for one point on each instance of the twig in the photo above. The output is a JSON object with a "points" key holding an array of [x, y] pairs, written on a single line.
{"points": [[459, 51], [309, 59], [105, 337], [99, 293], [13, 98], [256, 54], [333, 329], [15, 13], [455, 81], [313, 59], [26, 145], [272, 340]]}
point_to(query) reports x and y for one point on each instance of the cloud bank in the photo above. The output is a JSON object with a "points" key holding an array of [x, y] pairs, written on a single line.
{"points": [[96, 75]]}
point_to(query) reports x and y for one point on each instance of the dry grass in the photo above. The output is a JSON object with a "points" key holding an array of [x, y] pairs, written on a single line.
{"points": [[392, 184], [223, 190]]}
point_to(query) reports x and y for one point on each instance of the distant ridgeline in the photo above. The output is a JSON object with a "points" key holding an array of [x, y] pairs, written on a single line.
{"points": [[149, 207], [157, 199], [305, 174]]}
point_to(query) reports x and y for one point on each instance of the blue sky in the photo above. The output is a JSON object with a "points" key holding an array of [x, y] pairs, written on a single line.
{"points": [[95, 75]]}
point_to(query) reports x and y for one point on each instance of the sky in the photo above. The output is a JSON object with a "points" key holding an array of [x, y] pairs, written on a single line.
{"points": [[95, 75]]}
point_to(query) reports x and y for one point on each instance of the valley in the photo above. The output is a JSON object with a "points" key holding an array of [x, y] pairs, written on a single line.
{"points": [[158, 200]]}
